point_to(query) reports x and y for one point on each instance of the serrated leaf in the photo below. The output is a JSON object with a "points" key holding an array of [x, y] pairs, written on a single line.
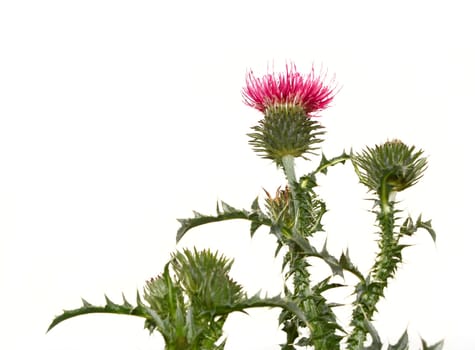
{"points": [[110, 308], [223, 212], [376, 343], [402, 344], [323, 286], [255, 205], [407, 228], [226, 208], [254, 227], [256, 301], [304, 341], [326, 163], [323, 169], [256, 213], [437, 346], [158, 322], [427, 225], [309, 250], [346, 264]]}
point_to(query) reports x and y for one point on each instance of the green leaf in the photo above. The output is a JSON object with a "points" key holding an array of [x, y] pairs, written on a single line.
{"points": [[402, 344], [110, 308], [427, 225], [336, 266], [326, 163], [376, 343], [408, 228], [324, 285], [158, 322], [256, 301], [437, 346], [223, 212], [347, 265], [256, 210]]}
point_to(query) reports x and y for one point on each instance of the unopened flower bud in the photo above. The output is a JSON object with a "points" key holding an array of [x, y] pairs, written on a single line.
{"points": [[391, 164]]}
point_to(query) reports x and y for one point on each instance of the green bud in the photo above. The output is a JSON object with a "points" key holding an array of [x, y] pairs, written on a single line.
{"points": [[285, 130], [392, 164]]}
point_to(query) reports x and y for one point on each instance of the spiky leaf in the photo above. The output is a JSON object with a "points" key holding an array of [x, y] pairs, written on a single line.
{"points": [[346, 264], [323, 254], [376, 343], [427, 225], [408, 228], [109, 308], [437, 346], [224, 212], [402, 343], [326, 163]]}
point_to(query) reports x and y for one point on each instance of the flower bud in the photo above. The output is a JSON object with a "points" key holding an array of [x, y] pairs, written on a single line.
{"points": [[285, 131], [392, 164]]}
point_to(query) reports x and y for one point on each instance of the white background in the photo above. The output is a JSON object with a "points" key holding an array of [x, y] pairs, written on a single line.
{"points": [[117, 117]]}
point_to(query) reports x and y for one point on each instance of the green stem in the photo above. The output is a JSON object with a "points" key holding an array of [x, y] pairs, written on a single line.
{"points": [[289, 168], [296, 261], [297, 266], [321, 319], [371, 290], [384, 195], [289, 171]]}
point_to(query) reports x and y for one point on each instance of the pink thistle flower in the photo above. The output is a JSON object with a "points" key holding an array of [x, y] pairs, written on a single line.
{"points": [[288, 89]]}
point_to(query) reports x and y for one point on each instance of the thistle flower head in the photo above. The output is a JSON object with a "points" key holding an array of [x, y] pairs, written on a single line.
{"points": [[279, 206], [392, 164], [159, 290], [290, 89], [287, 100], [205, 278]]}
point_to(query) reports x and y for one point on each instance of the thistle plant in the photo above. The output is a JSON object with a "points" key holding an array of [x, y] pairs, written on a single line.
{"points": [[189, 302], [385, 169]]}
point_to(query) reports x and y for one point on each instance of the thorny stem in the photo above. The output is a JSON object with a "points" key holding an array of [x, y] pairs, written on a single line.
{"points": [[297, 263], [370, 291], [289, 170]]}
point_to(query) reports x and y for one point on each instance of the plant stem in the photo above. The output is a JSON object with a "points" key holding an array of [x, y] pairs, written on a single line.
{"points": [[372, 289], [288, 164], [297, 265]]}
